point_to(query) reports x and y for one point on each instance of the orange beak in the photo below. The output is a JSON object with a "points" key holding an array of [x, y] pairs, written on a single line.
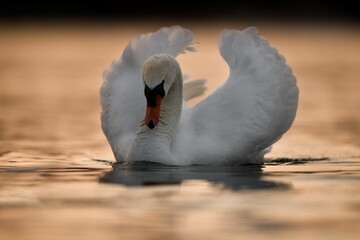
{"points": [[153, 113]]}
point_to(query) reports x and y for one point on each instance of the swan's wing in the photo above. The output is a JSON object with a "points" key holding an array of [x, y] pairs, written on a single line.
{"points": [[251, 111], [121, 94]]}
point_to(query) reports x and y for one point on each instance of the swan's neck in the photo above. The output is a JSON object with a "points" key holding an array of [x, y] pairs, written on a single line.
{"points": [[155, 144]]}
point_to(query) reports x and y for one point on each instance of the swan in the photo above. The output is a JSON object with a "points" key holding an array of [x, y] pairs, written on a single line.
{"points": [[144, 113]]}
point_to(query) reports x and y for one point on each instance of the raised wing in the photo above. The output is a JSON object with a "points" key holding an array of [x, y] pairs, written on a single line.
{"points": [[251, 111], [121, 94]]}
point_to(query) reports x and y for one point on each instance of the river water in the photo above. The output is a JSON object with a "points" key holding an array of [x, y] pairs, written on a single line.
{"points": [[56, 175]]}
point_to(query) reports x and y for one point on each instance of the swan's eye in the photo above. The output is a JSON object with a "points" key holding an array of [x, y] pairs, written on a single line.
{"points": [[160, 89], [147, 90]]}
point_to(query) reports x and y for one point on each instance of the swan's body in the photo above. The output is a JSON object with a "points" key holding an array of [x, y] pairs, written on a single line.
{"points": [[235, 125]]}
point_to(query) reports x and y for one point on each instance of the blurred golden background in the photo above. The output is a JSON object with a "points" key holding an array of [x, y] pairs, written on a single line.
{"points": [[53, 152]]}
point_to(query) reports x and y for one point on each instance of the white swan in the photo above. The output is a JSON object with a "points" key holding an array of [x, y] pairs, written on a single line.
{"points": [[235, 125]]}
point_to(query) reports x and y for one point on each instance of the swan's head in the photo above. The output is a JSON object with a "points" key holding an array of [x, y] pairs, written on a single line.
{"points": [[159, 73]]}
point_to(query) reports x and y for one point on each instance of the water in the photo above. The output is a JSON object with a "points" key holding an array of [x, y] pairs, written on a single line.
{"points": [[57, 180]]}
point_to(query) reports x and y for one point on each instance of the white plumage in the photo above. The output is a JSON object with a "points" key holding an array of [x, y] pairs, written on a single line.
{"points": [[235, 125]]}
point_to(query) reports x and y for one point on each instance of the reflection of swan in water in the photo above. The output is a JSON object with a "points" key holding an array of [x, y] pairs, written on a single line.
{"points": [[232, 177], [234, 125]]}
